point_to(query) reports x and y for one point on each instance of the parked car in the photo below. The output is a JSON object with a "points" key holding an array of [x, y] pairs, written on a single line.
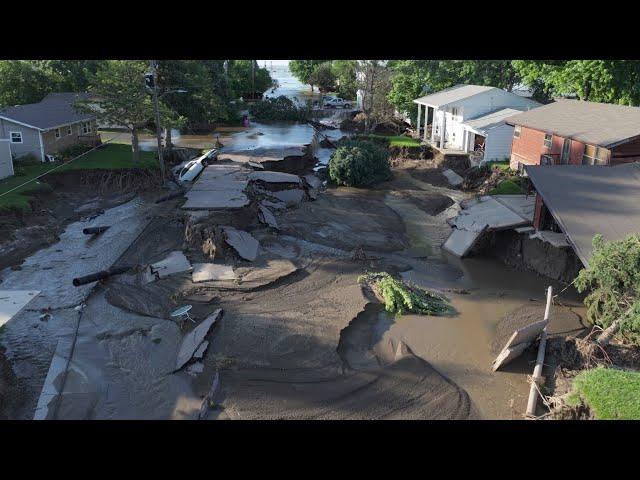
{"points": [[188, 171], [336, 102]]}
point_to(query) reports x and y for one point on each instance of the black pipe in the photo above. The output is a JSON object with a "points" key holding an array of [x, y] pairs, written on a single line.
{"points": [[171, 196], [95, 230], [99, 275]]}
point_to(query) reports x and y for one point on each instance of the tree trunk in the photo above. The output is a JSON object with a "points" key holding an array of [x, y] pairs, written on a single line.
{"points": [[606, 336], [168, 145], [135, 148]]}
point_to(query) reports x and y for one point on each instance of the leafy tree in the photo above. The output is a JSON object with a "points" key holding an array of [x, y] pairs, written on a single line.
{"points": [[613, 278], [121, 98], [323, 77], [345, 73], [69, 75], [303, 69], [21, 81], [207, 95], [247, 79], [607, 81], [374, 81], [359, 164]]}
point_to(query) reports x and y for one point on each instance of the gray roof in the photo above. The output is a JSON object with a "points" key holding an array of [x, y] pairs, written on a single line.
{"points": [[491, 120], [55, 110], [586, 200], [452, 94], [600, 124]]}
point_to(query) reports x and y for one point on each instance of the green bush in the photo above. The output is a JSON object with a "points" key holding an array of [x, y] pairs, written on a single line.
{"points": [[358, 163], [278, 108], [73, 151], [400, 297], [28, 159]]}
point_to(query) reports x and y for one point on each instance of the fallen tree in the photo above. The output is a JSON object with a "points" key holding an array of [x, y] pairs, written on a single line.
{"points": [[613, 281]]}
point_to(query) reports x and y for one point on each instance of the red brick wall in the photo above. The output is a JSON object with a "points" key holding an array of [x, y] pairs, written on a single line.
{"points": [[537, 212], [530, 147]]}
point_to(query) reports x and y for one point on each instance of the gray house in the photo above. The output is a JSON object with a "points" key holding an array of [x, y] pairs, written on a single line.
{"points": [[48, 127]]}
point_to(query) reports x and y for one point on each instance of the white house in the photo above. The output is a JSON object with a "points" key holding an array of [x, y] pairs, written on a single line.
{"points": [[6, 159], [471, 118]]}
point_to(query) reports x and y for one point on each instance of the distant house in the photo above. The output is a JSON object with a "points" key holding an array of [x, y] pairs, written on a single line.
{"points": [[471, 118], [580, 201], [48, 127], [577, 133]]}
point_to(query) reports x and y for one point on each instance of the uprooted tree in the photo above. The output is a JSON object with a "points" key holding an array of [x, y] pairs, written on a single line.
{"points": [[613, 278], [359, 164]]}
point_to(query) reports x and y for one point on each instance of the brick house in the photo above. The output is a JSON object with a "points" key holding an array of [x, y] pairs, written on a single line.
{"points": [[573, 132], [49, 127]]}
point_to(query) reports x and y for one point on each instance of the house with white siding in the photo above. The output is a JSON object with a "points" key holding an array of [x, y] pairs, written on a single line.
{"points": [[470, 119]]}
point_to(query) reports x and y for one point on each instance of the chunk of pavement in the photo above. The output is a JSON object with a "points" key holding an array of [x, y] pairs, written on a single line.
{"points": [[277, 205], [255, 165], [192, 341], [268, 176], [175, 262], [518, 342], [199, 353], [13, 302], [195, 368], [453, 178], [242, 242], [267, 217], [289, 197], [313, 181], [508, 354], [203, 272]]}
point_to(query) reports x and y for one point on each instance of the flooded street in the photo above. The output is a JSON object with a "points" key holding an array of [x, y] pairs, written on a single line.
{"points": [[302, 341]]}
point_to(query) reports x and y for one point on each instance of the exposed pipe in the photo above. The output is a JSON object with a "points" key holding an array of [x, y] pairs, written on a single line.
{"points": [[537, 371], [95, 230], [94, 277]]}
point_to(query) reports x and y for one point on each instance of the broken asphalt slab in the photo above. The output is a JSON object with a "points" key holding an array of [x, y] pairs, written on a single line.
{"points": [[194, 339], [203, 272], [266, 217], [242, 242], [175, 262], [274, 177]]}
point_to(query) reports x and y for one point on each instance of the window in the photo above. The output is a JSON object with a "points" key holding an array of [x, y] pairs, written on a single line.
{"points": [[16, 137], [58, 133], [454, 111], [69, 132], [547, 140], [516, 131], [86, 127], [594, 155]]}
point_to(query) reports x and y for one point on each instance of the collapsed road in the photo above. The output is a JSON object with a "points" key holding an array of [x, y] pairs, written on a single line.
{"points": [[277, 254]]}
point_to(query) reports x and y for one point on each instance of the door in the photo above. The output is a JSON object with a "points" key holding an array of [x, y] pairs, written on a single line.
{"points": [[566, 151]]}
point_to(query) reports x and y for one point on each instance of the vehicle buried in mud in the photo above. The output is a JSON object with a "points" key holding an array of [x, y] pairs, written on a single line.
{"points": [[189, 171]]}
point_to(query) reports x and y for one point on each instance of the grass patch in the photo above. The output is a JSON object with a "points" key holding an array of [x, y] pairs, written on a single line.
{"points": [[506, 187], [400, 297], [502, 164], [400, 140], [111, 156], [610, 394]]}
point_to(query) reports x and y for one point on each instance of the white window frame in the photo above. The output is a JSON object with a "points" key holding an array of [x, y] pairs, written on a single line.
{"points": [[58, 133], [516, 131], [69, 130], [544, 141], [11, 137], [86, 127]]}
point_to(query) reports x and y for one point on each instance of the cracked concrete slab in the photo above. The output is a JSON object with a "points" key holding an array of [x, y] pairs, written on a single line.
{"points": [[242, 242], [193, 340], [203, 272]]}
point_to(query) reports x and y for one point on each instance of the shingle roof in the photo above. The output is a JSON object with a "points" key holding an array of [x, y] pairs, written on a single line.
{"points": [[55, 110], [600, 124], [600, 199], [452, 94], [491, 120]]}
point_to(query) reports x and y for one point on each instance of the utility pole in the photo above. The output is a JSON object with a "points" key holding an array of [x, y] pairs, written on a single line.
{"points": [[152, 83], [253, 79]]}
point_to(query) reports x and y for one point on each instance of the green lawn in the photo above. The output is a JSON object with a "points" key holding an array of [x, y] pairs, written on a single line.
{"points": [[610, 394], [400, 140], [108, 157], [506, 187]]}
